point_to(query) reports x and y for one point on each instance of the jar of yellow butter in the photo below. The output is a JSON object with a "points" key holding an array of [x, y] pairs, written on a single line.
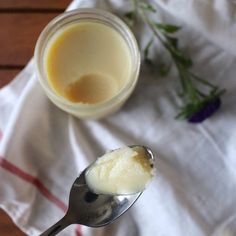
{"points": [[87, 62]]}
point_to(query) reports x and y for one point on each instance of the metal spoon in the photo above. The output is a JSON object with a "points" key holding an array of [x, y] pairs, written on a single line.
{"points": [[94, 210]]}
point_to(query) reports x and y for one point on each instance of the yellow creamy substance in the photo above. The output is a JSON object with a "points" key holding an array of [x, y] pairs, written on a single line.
{"points": [[123, 171], [88, 62]]}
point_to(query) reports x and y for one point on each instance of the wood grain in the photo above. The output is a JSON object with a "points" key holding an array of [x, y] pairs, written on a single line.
{"points": [[34, 4], [7, 75], [18, 35], [21, 22], [7, 227]]}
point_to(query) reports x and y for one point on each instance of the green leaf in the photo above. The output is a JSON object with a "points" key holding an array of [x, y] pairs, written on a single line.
{"points": [[193, 98], [188, 110], [164, 70], [181, 59], [185, 61], [129, 15], [167, 28], [173, 41], [146, 49], [129, 18], [149, 62], [147, 7]]}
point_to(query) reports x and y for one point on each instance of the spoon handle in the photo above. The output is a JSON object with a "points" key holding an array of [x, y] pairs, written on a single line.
{"points": [[56, 228]]}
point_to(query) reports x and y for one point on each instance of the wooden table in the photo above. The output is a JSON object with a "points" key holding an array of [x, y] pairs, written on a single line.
{"points": [[21, 21]]}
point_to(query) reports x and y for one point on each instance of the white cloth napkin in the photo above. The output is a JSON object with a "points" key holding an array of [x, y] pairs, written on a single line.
{"points": [[43, 149]]}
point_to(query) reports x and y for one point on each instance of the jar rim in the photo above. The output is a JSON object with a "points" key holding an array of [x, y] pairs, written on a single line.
{"points": [[79, 14]]}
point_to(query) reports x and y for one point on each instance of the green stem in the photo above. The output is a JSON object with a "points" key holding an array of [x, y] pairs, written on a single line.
{"points": [[182, 80], [193, 97], [186, 84], [151, 26], [202, 81], [201, 94], [135, 7]]}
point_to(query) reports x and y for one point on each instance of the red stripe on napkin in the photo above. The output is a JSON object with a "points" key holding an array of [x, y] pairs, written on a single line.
{"points": [[34, 181], [37, 183], [78, 230]]}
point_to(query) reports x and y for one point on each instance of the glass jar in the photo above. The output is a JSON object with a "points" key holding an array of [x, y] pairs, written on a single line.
{"points": [[83, 110]]}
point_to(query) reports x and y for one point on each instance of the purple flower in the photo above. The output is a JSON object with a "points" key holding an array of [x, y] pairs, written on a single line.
{"points": [[207, 110]]}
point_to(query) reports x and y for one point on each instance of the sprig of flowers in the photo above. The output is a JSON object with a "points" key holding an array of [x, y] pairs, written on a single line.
{"points": [[198, 105]]}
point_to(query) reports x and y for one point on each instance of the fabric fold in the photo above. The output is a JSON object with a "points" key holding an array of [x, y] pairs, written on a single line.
{"points": [[43, 149]]}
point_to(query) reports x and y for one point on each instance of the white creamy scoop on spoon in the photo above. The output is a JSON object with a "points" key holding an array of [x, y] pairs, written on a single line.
{"points": [[107, 188], [122, 171]]}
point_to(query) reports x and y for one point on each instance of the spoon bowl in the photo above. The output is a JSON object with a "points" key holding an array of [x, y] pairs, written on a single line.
{"points": [[94, 210]]}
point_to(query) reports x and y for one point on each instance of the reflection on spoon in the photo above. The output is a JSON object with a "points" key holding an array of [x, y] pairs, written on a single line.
{"points": [[122, 171], [95, 209]]}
